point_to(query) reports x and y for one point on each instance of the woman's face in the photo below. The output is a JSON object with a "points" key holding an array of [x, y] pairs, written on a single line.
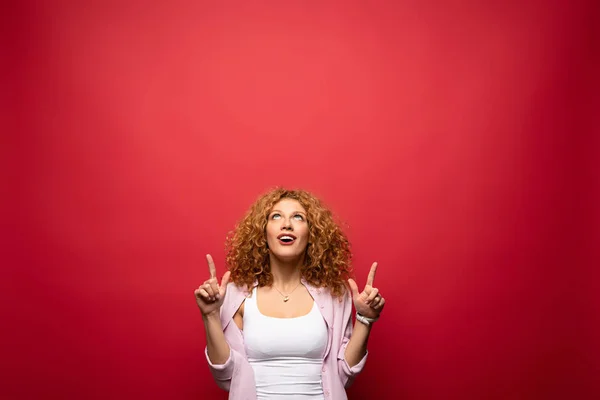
{"points": [[287, 230]]}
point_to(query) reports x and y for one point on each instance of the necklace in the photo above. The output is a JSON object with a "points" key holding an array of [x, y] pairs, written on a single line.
{"points": [[287, 297]]}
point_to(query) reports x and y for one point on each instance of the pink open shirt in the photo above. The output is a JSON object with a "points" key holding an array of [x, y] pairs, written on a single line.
{"points": [[237, 376]]}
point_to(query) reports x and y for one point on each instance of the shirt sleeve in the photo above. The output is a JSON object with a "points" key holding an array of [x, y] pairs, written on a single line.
{"points": [[223, 373]]}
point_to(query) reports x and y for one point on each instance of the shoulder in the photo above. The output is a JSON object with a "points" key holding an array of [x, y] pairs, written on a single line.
{"points": [[325, 295], [234, 296], [345, 299], [235, 293], [235, 289]]}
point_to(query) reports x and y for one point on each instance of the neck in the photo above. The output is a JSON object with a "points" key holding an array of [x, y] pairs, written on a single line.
{"points": [[286, 274]]}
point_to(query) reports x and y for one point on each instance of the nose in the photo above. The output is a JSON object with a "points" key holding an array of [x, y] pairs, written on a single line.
{"points": [[286, 224]]}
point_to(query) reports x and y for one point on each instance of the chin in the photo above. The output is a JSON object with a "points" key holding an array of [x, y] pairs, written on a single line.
{"points": [[287, 256]]}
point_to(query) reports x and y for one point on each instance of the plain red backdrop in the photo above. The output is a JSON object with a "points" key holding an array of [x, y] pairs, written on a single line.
{"points": [[449, 138]]}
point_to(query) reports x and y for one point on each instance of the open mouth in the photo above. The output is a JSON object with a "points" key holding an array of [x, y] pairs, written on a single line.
{"points": [[286, 239]]}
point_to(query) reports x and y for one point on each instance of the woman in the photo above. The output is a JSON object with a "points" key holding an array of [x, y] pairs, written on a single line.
{"points": [[282, 329]]}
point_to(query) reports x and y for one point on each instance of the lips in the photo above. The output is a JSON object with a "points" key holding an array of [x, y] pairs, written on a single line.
{"points": [[286, 239]]}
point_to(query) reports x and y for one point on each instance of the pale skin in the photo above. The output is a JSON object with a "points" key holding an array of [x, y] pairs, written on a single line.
{"points": [[288, 217]]}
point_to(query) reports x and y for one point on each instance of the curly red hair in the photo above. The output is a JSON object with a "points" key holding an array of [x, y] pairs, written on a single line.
{"points": [[327, 261]]}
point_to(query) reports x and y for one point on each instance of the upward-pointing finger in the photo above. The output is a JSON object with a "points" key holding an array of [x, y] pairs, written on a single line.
{"points": [[211, 266], [371, 277]]}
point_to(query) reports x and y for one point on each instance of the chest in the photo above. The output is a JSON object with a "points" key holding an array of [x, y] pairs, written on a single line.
{"points": [[271, 303]]}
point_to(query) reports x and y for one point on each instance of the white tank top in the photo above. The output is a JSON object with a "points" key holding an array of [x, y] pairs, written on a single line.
{"points": [[286, 354]]}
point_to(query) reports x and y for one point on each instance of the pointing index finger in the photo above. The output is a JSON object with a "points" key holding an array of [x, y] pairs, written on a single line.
{"points": [[371, 277], [211, 266]]}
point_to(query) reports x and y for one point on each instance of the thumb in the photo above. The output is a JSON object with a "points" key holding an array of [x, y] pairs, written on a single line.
{"points": [[224, 282], [353, 287]]}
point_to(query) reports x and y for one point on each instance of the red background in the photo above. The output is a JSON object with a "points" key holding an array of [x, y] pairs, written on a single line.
{"points": [[453, 139]]}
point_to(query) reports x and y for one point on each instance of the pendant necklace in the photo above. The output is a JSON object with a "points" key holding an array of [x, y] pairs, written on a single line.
{"points": [[287, 297]]}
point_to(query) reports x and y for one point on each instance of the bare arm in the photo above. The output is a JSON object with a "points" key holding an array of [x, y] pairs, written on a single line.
{"points": [[357, 346], [216, 346]]}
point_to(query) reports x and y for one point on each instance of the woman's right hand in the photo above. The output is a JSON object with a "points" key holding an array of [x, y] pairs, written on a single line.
{"points": [[210, 294]]}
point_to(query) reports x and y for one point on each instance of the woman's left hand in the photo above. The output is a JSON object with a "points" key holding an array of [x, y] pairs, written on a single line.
{"points": [[369, 302]]}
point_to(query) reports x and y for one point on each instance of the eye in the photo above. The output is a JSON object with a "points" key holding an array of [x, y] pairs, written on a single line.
{"points": [[298, 217], [276, 216]]}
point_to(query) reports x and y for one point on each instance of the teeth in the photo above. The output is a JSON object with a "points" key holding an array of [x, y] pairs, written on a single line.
{"points": [[286, 238]]}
